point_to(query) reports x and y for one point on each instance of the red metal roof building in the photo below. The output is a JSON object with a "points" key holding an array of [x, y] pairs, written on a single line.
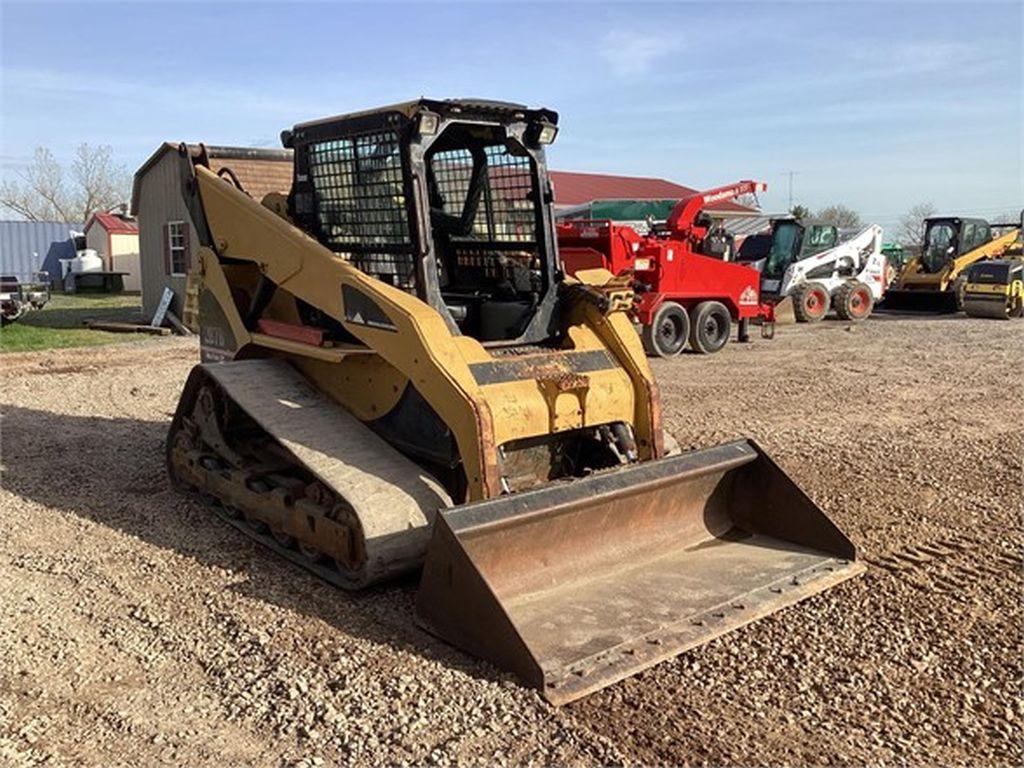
{"points": [[116, 240], [113, 224], [572, 189]]}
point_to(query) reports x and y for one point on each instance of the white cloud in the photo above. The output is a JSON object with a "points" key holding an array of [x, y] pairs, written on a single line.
{"points": [[633, 52]]}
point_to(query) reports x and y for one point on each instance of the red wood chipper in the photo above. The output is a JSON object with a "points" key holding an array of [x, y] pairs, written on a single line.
{"points": [[687, 293]]}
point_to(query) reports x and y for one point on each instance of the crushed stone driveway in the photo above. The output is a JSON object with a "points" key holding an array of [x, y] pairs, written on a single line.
{"points": [[138, 629]]}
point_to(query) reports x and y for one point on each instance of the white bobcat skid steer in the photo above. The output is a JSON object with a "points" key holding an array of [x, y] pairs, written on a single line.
{"points": [[849, 278]]}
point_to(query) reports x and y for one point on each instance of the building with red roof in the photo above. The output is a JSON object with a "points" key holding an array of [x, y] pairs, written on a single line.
{"points": [[574, 190], [115, 238]]}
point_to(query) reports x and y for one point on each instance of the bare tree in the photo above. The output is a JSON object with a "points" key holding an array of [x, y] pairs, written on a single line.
{"points": [[840, 216], [911, 228], [45, 191], [800, 212]]}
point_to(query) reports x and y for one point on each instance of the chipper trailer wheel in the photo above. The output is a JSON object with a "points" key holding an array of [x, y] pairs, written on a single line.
{"points": [[853, 301], [710, 327], [666, 335], [810, 302]]}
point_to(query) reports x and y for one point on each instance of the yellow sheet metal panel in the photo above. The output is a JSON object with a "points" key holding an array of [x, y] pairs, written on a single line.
{"points": [[485, 399], [418, 343]]}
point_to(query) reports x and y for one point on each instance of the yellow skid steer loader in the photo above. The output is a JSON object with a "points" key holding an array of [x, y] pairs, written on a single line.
{"points": [[934, 280], [398, 376]]}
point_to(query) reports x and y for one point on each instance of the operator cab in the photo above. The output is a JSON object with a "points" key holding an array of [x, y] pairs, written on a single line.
{"points": [[448, 200], [795, 240], [948, 237]]}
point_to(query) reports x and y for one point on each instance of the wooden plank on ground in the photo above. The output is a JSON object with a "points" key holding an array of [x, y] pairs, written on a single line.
{"points": [[97, 325], [177, 324]]}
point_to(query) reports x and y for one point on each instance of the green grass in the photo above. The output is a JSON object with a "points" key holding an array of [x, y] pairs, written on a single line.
{"points": [[61, 323]]}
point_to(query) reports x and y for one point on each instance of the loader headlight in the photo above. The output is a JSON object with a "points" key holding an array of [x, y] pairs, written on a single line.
{"points": [[428, 123], [542, 132]]}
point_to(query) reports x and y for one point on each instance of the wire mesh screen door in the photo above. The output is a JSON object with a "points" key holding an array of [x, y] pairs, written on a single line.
{"points": [[361, 204], [501, 202], [506, 210]]}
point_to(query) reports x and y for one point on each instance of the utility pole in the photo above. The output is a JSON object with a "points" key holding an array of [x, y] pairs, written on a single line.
{"points": [[791, 174]]}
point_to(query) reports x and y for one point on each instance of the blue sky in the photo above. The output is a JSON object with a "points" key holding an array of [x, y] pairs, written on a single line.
{"points": [[875, 105]]}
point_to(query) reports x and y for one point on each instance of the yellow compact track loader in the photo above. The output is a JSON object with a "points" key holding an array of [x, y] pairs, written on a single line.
{"points": [[397, 376], [934, 280]]}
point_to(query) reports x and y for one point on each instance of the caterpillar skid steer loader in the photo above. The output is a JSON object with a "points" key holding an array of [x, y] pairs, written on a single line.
{"points": [[934, 280], [397, 376]]}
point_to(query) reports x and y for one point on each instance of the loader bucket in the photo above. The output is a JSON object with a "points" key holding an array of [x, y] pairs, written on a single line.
{"points": [[784, 314], [580, 584], [940, 302]]}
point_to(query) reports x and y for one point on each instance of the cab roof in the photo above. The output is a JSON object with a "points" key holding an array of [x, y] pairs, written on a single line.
{"points": [[957, 220], [806, 222], [504, 110]]}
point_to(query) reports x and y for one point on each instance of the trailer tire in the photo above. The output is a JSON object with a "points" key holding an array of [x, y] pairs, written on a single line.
{"points": [[710, 327], [666, 335], [810, 302], [853, 301], [12, 315]]}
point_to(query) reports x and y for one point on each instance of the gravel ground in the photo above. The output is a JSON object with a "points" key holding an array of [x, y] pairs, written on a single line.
{"points": [[136, 629]]}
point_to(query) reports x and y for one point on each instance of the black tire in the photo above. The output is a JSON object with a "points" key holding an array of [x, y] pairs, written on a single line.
{"points": [[853, 301], [666, 335], [811, 302], [710, 327], [13, 317]]}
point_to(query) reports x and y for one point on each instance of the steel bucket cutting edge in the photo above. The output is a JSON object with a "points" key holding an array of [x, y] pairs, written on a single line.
{"points": [[579, 584]]}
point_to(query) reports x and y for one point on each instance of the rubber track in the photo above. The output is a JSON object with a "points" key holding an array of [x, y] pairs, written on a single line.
{"points": [[393, 498], [325, 572]]}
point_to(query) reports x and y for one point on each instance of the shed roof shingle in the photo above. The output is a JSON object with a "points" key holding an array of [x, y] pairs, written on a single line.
{"points": [[258, 170]]}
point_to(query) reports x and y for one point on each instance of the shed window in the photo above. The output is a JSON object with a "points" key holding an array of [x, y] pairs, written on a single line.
{"points": [[177, 248]]}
